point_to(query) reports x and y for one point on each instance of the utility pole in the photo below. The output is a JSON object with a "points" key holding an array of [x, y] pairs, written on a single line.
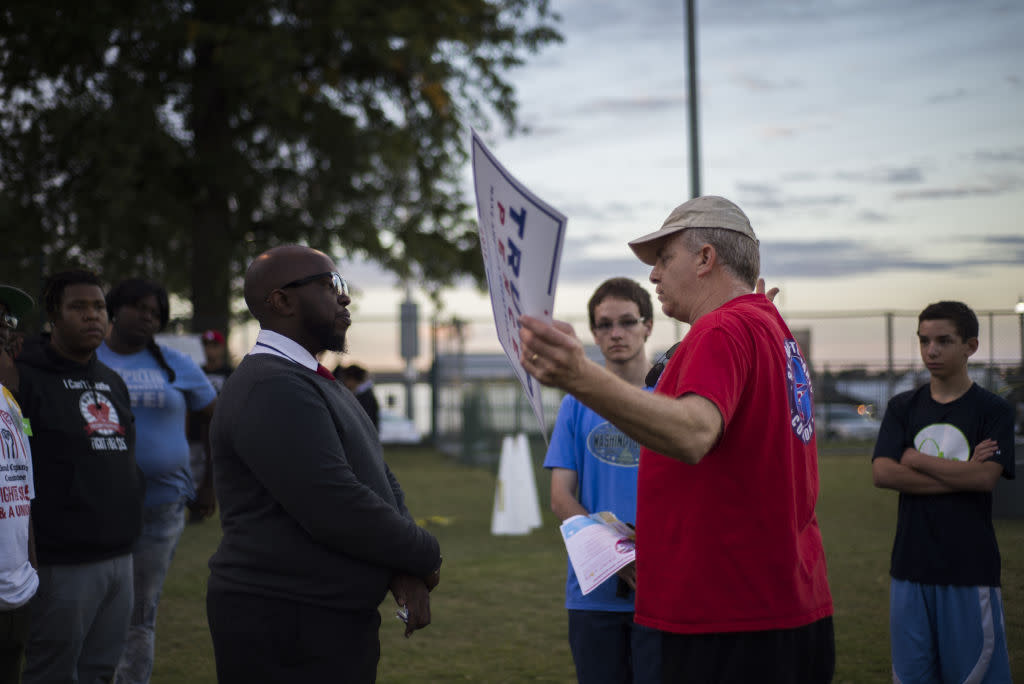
{"points": [[409, 318], [691, 70], [692, 105], [1019, 310]]}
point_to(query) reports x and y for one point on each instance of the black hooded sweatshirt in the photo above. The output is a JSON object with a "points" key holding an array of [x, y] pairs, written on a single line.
{"points": [[89, 490]]}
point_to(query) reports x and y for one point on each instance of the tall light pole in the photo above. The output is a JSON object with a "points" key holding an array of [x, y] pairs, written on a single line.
{"points": [[689, 7], [691, 81], [409, 344]]}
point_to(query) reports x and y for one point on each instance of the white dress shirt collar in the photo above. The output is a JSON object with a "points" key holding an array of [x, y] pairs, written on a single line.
{"points": [[270, 342]]}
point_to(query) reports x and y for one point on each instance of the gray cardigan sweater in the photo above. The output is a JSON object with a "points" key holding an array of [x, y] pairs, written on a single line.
{"points": [[310, 511]]}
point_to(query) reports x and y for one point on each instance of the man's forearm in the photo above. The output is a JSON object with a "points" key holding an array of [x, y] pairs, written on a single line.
{"points": [[684, 429], [890, 474], [564, 503], [971, 476], [566, 508]]}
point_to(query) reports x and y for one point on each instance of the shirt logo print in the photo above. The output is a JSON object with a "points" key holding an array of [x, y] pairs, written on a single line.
{"points": [[100, 415], [609, 445], [800, 395]]}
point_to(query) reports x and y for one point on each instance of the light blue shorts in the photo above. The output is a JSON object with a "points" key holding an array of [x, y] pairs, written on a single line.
{"points": [[943, 633]]}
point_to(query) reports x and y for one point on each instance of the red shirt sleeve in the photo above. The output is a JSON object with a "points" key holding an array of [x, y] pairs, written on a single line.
{"points": [[712, 364]]}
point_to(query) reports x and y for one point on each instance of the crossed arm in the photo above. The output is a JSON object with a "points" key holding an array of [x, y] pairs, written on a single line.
{"points": [[919, 473]]}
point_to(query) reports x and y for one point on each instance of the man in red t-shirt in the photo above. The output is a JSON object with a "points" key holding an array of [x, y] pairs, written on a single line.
{"points": [[730, 562]]}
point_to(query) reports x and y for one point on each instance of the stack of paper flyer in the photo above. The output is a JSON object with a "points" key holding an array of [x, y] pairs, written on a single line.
{"points": [[599, 545]]}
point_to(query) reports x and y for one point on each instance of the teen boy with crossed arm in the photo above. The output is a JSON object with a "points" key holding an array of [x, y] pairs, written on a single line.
{"points": [[943, 447]]}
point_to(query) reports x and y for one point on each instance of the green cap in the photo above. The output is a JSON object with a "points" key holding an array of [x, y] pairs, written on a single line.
{"points": [[18, 302]]}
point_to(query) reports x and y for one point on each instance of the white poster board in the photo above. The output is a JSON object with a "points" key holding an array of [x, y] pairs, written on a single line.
{"points": [[521, 238]]}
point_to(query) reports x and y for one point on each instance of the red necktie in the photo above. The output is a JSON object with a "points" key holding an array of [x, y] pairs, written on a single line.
{"points": [[323, 372]]}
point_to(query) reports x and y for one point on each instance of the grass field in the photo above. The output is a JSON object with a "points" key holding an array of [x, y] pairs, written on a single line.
{"points": [[498, 614]]}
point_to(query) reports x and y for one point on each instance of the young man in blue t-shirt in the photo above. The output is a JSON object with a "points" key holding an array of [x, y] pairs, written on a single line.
{"points": [[594, 468], [943, 447]]}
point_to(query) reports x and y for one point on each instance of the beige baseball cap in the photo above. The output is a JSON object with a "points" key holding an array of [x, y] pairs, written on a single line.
{"points": [[709, 211]]}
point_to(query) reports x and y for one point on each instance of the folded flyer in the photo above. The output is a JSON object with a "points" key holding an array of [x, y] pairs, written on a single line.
{"points": [[599, 545]]}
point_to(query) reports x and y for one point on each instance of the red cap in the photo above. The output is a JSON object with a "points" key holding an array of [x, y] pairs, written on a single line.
{"points": [[215, 336]]}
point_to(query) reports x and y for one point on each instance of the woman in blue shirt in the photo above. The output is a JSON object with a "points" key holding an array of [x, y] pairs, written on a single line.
{"points": [[165, 386]]}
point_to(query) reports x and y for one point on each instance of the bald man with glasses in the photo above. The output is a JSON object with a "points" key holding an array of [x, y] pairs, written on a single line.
{"points": [[316, 531]]}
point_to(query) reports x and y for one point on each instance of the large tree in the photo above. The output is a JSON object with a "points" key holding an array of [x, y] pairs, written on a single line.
{"points": [[177, 139]]}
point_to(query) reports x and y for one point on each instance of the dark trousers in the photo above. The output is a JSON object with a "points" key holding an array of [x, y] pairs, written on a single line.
{"points": [[258, 639], [609, 648], [13, 637], [805, 655]]}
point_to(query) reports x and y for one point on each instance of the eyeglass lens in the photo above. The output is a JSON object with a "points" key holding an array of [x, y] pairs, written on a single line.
{"points": [[624, 323], [340, 284]]}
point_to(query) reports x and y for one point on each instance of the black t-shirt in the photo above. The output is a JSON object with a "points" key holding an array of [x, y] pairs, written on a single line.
{"points": [[946, 539]]}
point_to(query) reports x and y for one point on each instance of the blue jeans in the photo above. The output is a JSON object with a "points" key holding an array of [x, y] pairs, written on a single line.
{"points": [[77, 621], [608, 647], [161, 528]]}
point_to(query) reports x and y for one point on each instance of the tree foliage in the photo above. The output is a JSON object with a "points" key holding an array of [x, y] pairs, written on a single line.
{"points": [[178, 139]]}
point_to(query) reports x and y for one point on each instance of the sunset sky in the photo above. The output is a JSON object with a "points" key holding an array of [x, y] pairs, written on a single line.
{"points": [[877, 146]]}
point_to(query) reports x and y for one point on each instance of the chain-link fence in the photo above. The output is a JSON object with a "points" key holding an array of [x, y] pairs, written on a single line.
{"points": [[470, 398]]}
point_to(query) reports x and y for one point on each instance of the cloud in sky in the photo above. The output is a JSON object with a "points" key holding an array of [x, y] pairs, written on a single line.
{"points": [[895, 175], [593, 270], [778, 200], [770, 132], [538, 128], [871, 216], [948, 96], [621, 212], [762, 84], [1010, 155], [638, 104], [839, 258], [816, 258], [1006, 249], [989, 188]]}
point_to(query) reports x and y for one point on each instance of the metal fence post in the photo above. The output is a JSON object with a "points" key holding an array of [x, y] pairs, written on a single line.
{"points": [[890, 368], [990, 376]]}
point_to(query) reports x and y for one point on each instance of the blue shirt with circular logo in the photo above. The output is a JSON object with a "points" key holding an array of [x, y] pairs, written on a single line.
{"points": [[606, 463]]}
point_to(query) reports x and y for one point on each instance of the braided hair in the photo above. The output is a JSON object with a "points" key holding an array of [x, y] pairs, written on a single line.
{"points": [[133, 290]]}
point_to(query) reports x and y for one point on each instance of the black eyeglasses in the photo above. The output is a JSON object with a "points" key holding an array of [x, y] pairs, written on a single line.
{"points": [[659, 366], [624, 323], [8, 320], [337, 282]]}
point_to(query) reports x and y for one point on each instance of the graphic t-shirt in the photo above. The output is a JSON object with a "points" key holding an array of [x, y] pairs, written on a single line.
{"points": [[606, 463], [160, 408], [732, 543], [946, 539], [18, 579]]}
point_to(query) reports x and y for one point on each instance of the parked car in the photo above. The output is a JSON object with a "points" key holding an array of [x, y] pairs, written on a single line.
{"points": [[846, 421], [397, 429]]}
